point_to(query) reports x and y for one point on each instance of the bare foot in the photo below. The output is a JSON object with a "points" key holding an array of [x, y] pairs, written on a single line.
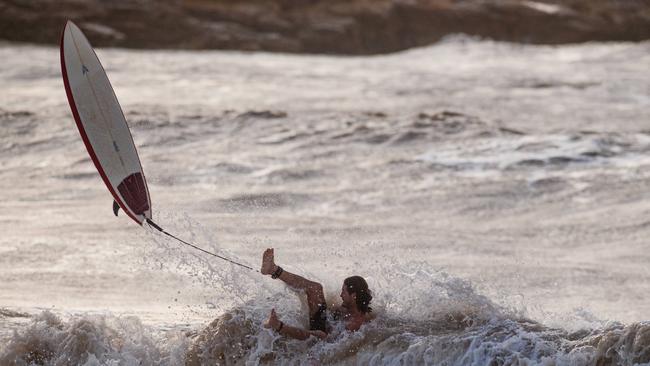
{"points": [[268, 262], [272, 322]]}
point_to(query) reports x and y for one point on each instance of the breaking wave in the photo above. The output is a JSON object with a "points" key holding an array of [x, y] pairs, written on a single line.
{"points": [[422, 317]]}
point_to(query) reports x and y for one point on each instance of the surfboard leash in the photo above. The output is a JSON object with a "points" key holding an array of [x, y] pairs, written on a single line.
{"points": [[155, 226]]}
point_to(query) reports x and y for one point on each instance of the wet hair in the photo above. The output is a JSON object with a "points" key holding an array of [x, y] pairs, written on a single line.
{"points": [[357, 285]]}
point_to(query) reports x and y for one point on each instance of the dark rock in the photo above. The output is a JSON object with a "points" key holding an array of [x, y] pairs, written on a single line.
{"points": [[322, 26]]}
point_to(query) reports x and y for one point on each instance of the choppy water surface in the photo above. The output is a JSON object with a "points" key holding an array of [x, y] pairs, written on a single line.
{"points": [[495, 196]]}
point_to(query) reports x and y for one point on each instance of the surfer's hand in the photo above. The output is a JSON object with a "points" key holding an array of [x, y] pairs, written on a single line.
{"points": [[268, 262], [272, 322]]}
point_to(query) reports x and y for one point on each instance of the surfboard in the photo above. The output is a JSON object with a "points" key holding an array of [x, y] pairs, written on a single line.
{"points": [[102, 124]]}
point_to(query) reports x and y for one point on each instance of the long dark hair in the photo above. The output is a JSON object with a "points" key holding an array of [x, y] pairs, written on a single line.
{"points": [[357, 285]]}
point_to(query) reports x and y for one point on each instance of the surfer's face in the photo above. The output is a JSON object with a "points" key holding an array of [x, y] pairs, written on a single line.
{"points": [[348, 299]]}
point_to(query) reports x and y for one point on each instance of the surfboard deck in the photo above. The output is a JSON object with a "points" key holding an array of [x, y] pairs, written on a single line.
{"points": [[102, 124]]}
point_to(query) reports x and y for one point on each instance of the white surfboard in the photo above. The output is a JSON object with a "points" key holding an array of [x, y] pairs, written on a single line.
{"points": [[102, 125]]}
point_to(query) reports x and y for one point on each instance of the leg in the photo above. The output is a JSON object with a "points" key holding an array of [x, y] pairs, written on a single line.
{"points": [[314, 290]]}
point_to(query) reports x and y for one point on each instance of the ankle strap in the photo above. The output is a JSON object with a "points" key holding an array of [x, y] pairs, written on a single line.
{"points": [[277, 272]]}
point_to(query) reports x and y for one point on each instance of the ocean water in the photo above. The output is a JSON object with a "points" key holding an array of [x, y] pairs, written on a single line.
{"points": [[495, 197]]}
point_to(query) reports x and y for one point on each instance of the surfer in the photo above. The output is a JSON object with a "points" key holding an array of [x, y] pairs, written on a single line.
{"points": [[355, 309]]}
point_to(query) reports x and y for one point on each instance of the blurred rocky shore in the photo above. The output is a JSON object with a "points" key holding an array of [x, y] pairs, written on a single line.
{"points": [[322, 26]]}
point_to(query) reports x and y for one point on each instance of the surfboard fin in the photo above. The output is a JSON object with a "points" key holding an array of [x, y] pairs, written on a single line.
{"points": [[116, 207]]}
